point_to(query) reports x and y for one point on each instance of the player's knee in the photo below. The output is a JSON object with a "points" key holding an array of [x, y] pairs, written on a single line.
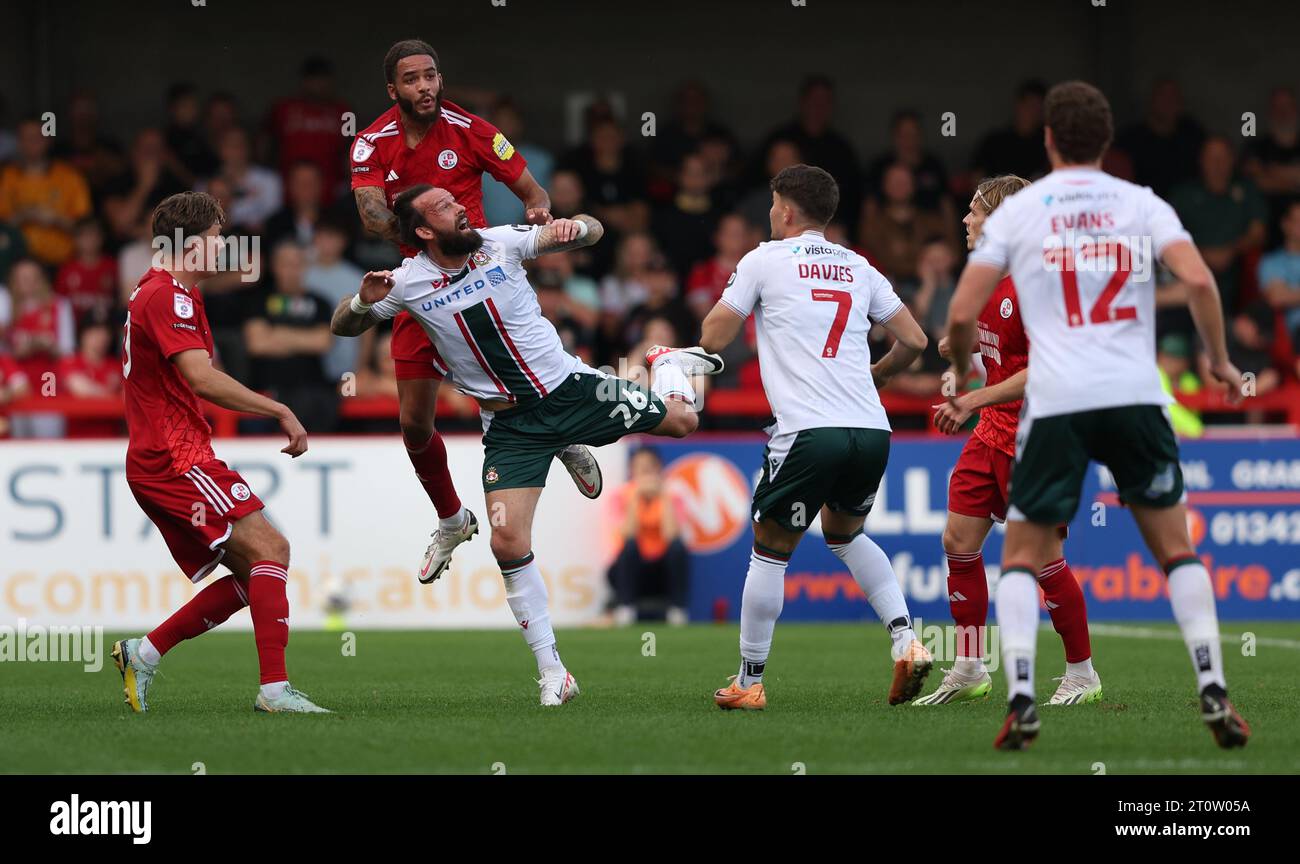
{"points": [[957, 543], [416, 431], [508, 544], [275, 547], [681, 420]]}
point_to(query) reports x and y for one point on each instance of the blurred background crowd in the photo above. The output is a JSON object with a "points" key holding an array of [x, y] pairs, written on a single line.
{"points": [[680, 208]]}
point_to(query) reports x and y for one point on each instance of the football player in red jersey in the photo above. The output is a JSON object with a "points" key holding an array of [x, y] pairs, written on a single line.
{"points": [[977, 494], [205, 512], [425, 139]]}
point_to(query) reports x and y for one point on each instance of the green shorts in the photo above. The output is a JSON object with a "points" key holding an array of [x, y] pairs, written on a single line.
{"points": [[835, 467], [588, 408], [1136, 442]]}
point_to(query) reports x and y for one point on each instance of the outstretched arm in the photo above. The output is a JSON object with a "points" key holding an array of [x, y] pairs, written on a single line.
{"points": [[950, 416], [564, 234], [220, 389], [537, 204], [354, 315], [720, 328]]}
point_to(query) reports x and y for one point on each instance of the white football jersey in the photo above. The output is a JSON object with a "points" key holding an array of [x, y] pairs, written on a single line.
{"points": [[1082, 248], [814, 303], [486, 327]]}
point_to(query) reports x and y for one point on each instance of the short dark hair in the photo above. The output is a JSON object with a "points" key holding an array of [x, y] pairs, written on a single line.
{"points": [[191, 212], [809, 188], [1080, 119], [407, 48], [408, 218]]}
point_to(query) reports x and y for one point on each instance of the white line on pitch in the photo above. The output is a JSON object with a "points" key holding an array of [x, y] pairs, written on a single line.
{"points": [[1151, 633]]}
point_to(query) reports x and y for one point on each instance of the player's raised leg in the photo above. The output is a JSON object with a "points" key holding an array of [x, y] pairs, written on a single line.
{"points": [[512, 530], [256, 541], [1192, 599]]}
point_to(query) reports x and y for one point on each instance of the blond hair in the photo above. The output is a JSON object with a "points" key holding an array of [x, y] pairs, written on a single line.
{"points": [[994, 190]]}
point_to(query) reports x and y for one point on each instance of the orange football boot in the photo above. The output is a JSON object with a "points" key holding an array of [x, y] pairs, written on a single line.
{"points": [[909, 673], [751, 698]]}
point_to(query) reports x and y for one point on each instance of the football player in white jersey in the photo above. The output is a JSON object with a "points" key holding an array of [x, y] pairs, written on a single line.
{"points": [[469, 291], [814, 303], [1082, 246]]}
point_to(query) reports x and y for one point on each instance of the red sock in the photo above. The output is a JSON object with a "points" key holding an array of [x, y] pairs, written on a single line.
{"points": [[1066, 606], [268, 601], [430, 464], [211, 606], [968, 598]]}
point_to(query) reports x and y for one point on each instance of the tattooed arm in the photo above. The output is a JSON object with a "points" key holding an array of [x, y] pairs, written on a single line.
{"points": [[564, 234], [374, 212]]}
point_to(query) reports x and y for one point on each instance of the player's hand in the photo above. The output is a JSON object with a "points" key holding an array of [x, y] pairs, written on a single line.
{"points": [[537, 216], [297, 434], [950, 416], [1230, 375], [565, 230], [376, 285], [943, 348]]}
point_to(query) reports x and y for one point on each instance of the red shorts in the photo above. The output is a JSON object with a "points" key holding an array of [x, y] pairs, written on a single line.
{"points": [[414, 356], [195, 512], [979, 483], [978, 486]]}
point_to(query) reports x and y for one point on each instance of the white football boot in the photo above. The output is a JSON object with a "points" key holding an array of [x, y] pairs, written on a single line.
{"points": [[957, 687], [136, 674], [583, 468], [692, 361], [1077, 690], [438, 556], [289, 701], [557, 686]]}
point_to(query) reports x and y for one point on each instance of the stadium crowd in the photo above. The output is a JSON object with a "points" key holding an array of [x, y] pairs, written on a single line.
{"points": [[680, 209]]}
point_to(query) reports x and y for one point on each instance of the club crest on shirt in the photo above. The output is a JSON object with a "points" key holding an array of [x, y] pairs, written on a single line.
{"points": [[1006, 308], [240, 492], [479, 258], [361, 150], [182, 305], [447, 159]]}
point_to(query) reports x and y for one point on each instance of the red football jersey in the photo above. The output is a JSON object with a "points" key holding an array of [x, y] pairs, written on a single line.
{"points": [[164, 419], [1005, 349], [454, 154]]}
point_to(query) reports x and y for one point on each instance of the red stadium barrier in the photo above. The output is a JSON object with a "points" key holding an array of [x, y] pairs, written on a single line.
{"points": [[734, 403]]}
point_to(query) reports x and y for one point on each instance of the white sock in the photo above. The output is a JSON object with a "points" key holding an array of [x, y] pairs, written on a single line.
{"points": [[970, 667], [667, 379], [1017, 607], [760, 606], [526, 594], [1192, 599], [875, 576], [1082, 669], [148, 653], [453, 523], [274, 689]]}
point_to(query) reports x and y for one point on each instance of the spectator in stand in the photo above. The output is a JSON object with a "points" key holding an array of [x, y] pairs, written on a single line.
{"points": [[1250, 348], [1224, 215], [333, 277], [500, 205], [376, 372], [936, 270], [89, 278], [8, 141], [12, 247], [256, 191], [756, 204], [907, 147], [1165, 147], [220, 115], [42, 197], [95, 156], [44, 329], [652, 559], [568, 199], [185, 136], [663, 302], [288, 337], [13, 386], [230, 295], [1279, 271], [296, 220], [894, 232], [307, 127], [1173, 358], [820, 144], [92, 373], [732, 239], [1018, 148], [691, 124], [1273, 162], [582, 291], [133, 193], [684, 225], [637, 262], [612, 177]]}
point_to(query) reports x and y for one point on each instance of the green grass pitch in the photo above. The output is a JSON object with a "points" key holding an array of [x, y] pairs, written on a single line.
{"points": [[465, 702]]}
